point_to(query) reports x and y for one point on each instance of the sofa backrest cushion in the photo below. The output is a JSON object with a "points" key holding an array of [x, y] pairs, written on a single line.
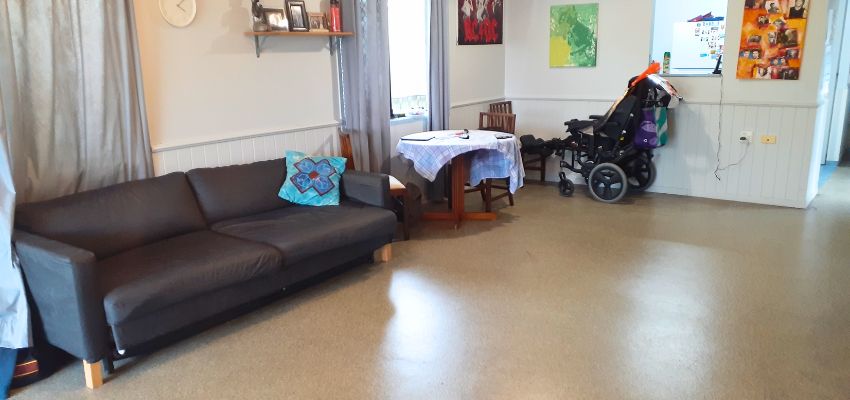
{"points": [[239, 190], [116, 218]]}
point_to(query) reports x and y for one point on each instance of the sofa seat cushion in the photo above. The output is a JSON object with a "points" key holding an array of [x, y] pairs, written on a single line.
{"points": [[146, 279], [300, 232]]}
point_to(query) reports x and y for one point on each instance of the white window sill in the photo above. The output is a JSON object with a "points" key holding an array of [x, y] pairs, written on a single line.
{"points": [[690, 75], [408, 119]]}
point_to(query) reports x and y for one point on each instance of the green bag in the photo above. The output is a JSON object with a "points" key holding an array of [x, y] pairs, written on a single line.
{"points": [[661, 123]]}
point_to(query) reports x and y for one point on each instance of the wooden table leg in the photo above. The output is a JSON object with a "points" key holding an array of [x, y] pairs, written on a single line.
{"points": [[458, 212], [457, 172], [458, 188]]}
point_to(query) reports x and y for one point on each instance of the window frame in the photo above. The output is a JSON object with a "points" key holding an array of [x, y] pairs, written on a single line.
{"points": [[704, 73]]}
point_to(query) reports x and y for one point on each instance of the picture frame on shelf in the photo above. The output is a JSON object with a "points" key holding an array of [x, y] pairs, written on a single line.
{"points": [[296, 12], [318, 22], [276, 18]]}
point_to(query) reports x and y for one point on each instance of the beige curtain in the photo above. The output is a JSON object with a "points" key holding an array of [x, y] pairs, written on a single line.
{"points": [[364, 75], [72, 116], [438, 97], [73, 99]]}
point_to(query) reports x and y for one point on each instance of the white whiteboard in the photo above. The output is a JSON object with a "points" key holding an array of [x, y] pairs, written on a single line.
{"points": [[696, 45]]}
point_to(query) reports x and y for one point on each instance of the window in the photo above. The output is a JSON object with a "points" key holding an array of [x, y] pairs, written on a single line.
{"points": [[409, 22], [693, 46]]}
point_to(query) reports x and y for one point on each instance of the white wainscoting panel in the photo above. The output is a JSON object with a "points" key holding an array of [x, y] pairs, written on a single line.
{"points": [[767, 174], [322, 140], [465, 115]]}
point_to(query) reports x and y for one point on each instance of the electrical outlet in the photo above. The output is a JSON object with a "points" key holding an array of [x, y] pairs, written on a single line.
{"points": [[746, 137], [768, 139]]}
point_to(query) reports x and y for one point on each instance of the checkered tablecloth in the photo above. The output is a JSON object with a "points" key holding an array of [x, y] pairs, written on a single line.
{"points": [[492, 158]]}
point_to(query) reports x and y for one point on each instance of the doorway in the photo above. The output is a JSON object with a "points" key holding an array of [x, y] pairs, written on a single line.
{"points": [[835, 89], [835, 143]]}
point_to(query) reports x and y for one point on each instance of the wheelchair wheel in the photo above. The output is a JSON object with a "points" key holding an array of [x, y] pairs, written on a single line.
{"points": [[565, 186], [641, 173], [608, 183]]}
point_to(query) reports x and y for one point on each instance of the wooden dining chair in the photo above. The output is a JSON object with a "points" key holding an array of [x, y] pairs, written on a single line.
{"points": [[533, 159], [398, 191], [500, 122], [347, 151], [502, 107]]}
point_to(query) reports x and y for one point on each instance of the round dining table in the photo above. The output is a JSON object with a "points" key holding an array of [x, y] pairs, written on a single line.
{"points": [[474, 155]]}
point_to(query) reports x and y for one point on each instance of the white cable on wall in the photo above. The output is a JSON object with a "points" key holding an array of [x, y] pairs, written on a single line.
{"points": [[720, 167]]}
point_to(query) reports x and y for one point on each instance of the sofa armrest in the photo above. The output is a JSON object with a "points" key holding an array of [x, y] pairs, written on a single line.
{"points": [[368, 188], [63, 283]]}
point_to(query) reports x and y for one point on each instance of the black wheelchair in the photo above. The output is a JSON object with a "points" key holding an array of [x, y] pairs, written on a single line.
{"points": [[602, 148]]}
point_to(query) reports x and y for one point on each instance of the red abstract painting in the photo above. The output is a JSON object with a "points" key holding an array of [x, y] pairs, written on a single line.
{"points": [[479, 22]]}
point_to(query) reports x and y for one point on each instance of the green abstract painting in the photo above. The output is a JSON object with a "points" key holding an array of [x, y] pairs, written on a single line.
{"points": [[573, 35]]}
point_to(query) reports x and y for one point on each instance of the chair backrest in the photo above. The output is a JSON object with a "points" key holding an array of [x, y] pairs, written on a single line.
{"points": [[622, 119], [502, 107], [347, 151], [502, 122]]}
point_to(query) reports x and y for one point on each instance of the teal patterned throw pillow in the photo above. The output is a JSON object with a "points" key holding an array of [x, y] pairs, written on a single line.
{"points": [[312, 181]]}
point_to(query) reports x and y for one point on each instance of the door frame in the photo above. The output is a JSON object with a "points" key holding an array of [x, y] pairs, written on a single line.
{"points": [[840, 95]]}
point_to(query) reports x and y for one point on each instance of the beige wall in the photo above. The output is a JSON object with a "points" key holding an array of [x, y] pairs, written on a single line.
{"points": [[625, 29], [203, 83], [477, 73], [709, 122]]}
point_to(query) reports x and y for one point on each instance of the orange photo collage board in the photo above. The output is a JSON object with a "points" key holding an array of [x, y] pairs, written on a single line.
{"points": [[772, 39]]}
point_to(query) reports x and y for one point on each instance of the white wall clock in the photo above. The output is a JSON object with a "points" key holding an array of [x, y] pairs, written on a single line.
{"points": [[178, 13]]}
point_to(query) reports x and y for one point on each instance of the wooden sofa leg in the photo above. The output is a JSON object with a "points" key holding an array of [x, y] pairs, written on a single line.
{"points": [[94, 374], [384, 254]]}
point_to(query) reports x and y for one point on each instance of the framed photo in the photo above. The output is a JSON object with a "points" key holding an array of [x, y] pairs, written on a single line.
{"points": [[318, 22], [276, 19], [297, 13]]}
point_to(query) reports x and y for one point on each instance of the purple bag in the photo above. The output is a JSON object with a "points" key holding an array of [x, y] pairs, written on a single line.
{"points": [[646, 136]]}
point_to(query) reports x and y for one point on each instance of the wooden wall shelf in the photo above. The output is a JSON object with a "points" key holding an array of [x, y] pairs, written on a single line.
{"points": [[264, 35], [287, 33]]}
